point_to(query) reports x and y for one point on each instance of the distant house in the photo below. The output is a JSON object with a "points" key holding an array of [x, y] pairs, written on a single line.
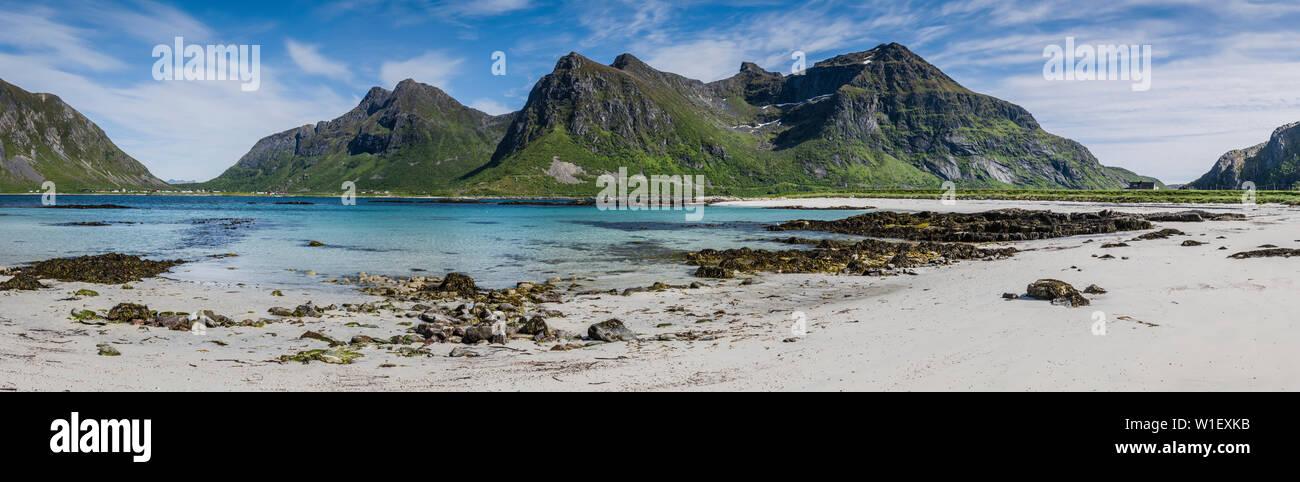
{"points": [[1145, 185]]}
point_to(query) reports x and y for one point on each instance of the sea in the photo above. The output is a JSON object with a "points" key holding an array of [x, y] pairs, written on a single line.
{"points": [[497, 244]]}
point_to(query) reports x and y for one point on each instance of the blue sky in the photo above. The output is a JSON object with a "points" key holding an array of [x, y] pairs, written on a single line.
{"points": [[1225, 73]]}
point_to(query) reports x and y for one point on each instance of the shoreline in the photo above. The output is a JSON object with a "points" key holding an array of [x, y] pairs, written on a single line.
{"points": [[1175, 314]]}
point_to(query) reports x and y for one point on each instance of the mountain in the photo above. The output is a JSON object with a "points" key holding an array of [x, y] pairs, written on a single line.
{"points": [[44, 139], [1272, 165], [879, 118], [413, 138]]}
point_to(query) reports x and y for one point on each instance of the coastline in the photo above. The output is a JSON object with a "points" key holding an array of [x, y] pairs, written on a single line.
{"points": [[1175, 318]]}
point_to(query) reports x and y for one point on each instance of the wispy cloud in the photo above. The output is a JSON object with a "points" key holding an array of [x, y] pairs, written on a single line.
{"points": [[433, 67], [309, 59]]}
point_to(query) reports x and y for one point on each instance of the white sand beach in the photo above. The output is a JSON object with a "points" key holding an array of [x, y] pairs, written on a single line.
{"points": [[1177, 317]]}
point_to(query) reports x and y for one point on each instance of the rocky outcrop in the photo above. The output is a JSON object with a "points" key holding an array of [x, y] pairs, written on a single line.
{"points": [[1272, 165]]}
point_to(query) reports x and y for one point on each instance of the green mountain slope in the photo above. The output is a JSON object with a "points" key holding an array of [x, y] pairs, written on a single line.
{"points": [[44, 139], [415, 138], [1273, 165], [880, 118]]}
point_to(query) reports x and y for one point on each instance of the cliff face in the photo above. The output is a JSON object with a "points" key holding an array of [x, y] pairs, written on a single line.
{"points": [[413, 137], [1272, 165], [44, 139]]}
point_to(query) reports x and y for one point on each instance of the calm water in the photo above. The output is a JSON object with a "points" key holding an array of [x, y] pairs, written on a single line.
{"points": [[496, 244]]}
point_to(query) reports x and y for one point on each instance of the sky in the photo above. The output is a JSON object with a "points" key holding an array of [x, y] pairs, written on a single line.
{"points": [[1224, 73]]}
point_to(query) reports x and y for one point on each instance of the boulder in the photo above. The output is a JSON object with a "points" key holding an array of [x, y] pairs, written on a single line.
{"points": [[610, 330], [125, 312], [1056, 291]]}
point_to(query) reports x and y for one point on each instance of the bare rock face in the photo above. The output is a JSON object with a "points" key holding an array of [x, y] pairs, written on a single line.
{"points": [[49, 140], [1275, 164]]}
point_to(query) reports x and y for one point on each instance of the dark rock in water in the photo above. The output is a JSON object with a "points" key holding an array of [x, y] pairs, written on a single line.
{"points": [[112, 268], [1056, 291], [125, 312], [1010, 296], [536, 326], [1267, 246], [990, 226], [1267, 253], [87, 223], [1094, 290], [296, 203], [458, 283], [1193, 242], [1161, 234], [610, 330], [714, 272], [315, 244], [22, 281]]}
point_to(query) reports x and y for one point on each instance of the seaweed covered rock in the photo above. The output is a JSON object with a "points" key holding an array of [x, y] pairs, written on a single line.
{"points": [[1267, 253], [714, 272], [458, 283], [22, 281], [112, 268], [125, 312], [1056, 291], [1161, 234], [612, 329], [865, 257], [536, 326], [990, 226]]}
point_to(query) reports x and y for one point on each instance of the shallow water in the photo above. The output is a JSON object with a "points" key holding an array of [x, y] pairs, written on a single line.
{"points": [[496, 244]]}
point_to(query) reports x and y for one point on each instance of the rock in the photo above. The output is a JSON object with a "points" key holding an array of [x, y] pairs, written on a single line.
{"points": [[1010, 296], [106, 349], [1054, 290], [1114, 245], [215, 320], [109, 268], [89, 293], [315, 244], [1094, 290], [1267, 253], [747, 282], [125, 312], [1192, 242], [536, 326], [306, 310], [22, 281], [714, 272], [280, 311], [336, 355], [462, 352], [315, 335], [610, 330], [173, 322], [695, 285], [483, 332], [458, 283], [276, 293], [1161, 234]]}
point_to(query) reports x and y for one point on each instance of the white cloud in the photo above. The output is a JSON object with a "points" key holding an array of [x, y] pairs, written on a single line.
{"points": [[490, 106], [433, 67], [309, 59]]}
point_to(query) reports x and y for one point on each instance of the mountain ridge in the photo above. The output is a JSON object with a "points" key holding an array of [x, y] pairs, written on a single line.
{"points": [[1272, 164], [877, 118]]}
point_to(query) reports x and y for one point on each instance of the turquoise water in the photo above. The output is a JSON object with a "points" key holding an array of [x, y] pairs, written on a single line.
{"points": [[496, 244]]}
